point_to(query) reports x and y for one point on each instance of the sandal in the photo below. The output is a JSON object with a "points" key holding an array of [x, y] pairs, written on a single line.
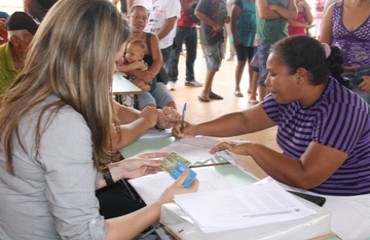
{"points": [[252, 101], [238, 94], [203, 98], [213, 95]]}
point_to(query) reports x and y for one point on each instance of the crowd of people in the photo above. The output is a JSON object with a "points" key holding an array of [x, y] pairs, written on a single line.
{"points": [[61, 174]]}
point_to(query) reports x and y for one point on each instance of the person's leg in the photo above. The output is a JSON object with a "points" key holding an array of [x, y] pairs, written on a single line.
{"points": [[242, 58], [238, 76], [253, 87], [166, 54], [163, 96], [145, 99], [173, 70], [263, 52], [214, 55], [191, 42]]}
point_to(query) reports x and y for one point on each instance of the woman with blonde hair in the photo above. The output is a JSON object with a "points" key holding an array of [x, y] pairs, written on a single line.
{"points": [[55, 123]]}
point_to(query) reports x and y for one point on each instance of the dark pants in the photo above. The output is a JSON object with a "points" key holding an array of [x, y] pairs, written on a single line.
{"points": [[189, 37], [117, 200], [166, 54]]}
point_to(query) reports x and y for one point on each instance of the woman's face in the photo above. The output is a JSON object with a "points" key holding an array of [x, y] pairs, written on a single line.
{"points": [[138, 19], [281, 84]]}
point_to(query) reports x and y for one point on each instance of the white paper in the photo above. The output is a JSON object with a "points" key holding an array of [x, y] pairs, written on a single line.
{"points": [[195, 150], [150, 187], [242, 207]]}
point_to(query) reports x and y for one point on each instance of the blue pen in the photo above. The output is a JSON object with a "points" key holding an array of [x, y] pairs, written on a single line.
{"points": [[183, 116]]}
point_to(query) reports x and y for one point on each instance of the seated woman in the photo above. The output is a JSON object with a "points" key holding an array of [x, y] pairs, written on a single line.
{"points": [[160, 96], [323, 127]]}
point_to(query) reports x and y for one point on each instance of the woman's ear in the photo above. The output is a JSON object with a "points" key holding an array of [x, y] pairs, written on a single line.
{"points": [[302, 75]]}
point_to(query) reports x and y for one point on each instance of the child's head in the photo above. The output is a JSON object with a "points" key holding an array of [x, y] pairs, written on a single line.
{"points": [[135, 51]]}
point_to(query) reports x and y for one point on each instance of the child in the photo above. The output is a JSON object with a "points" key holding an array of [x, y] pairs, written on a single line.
{"points": [[133, 59]]}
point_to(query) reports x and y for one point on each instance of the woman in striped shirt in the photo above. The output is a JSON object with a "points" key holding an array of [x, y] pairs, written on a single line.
{"points": [[323, 131], [323, 127]]}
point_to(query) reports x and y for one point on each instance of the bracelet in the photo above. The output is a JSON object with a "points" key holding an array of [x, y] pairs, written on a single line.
{"points": [[107, 176]]}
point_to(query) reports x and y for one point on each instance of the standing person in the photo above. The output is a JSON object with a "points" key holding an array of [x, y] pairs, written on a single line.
{"points": [[243, 28], [213, 16], [322, 149], [186, 33], [303, 22], [55, 123], [163, 15], [38, 8], [272, 25], [20, 28], [347, 24]]}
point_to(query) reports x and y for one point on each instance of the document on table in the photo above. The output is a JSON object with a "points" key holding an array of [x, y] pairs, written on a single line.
{"points": [[196, 150], [150, 187], [242, 207]]}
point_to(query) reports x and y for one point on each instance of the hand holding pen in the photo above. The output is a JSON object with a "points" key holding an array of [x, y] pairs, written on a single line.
{"points": [[182, 128]]}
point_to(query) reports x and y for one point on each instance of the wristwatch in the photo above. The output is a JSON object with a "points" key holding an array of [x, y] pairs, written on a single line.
{"points": [[107, 176]]}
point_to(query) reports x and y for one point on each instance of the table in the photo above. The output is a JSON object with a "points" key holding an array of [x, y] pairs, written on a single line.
{"points": [[158, 142], [122, 86]]}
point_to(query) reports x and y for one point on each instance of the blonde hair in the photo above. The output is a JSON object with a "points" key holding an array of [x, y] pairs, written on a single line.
{"points": [[71, 57]]}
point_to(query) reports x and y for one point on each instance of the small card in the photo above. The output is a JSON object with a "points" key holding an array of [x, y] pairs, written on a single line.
{"points": [[175, 165]]}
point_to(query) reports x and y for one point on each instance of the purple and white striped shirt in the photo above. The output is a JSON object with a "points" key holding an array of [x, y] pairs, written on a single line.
{"points": [[339, 119]]}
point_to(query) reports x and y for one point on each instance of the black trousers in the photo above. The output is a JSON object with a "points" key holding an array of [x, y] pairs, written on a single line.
{"points": [[118, 199]]}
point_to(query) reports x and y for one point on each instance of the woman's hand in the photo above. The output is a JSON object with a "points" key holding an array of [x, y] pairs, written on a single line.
{"points": [[150, 114], [365, 84], [188, 130], [167, 117], [139, 83], [139, 165], [177, 188], [237, 148], [146, 76]]}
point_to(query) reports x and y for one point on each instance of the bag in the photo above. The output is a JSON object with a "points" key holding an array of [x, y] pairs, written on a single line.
{"points": [[188, 8], [162, 76]]}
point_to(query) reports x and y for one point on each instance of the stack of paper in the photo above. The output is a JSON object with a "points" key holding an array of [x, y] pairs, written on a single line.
{"points": [[150, 187], [242, 207]]}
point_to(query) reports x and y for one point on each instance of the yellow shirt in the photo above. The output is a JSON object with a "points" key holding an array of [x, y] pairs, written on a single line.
{"points": [[8, 72]]}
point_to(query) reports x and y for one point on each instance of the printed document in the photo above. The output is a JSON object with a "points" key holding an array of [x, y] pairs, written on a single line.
{"points": [[242, 207]]}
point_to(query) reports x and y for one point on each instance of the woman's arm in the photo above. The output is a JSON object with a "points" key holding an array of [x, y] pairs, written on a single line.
{"points": [[250, 120], [309, 16], [316, 165], [288, 13], [235, 14], [264, 11], [129, 225], [326, 30]]}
